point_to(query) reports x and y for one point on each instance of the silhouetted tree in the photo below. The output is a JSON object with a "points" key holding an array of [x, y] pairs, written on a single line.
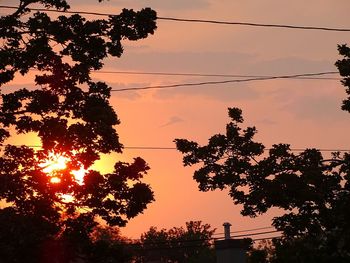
{"points": [[313, 190], [262, 252], [108, 245], [178, 245], [71, 115]]}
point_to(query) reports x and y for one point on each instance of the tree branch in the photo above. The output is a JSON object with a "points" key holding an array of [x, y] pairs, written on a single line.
{"points": [[339, 161], [21, 8]]}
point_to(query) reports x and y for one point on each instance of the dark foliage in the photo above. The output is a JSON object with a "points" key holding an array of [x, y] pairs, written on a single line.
{"points": [[109, 246], [313, 190], [192, 244], [343, 66], [72, 116]]}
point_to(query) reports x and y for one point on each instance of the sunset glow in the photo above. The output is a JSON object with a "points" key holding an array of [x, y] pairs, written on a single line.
{"points": [[304, 113]]}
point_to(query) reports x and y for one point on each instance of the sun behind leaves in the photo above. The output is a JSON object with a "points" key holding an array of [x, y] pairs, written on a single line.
{"points": [[58, 162]]}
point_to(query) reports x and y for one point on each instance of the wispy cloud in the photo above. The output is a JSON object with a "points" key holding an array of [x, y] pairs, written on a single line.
{"points": [[173, 120], [155, 4]]}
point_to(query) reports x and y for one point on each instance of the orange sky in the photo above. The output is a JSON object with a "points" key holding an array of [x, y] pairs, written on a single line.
{"points": [[305, 113]]}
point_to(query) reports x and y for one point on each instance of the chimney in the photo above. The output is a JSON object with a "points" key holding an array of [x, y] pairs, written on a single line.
{"points": [[231, 250], [227, 230]]}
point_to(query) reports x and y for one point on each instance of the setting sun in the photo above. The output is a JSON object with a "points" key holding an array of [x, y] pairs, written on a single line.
{"points": [[58, 162]]}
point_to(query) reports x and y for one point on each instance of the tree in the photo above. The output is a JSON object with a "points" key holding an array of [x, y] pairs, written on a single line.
{"points": [[262, 252], [110, 246], [71, 115], [178, 245], [313, 190]]}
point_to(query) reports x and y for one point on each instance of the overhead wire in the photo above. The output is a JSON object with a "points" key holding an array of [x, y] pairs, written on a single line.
{"points": [[253, 24], [307, 75], [256, 234], [265, 238], [209, 74], [177, 241], [184, 246], [177, 85], [174, 148], [182, 243], [217, 22], [251, 78], [267, 149], [254, 78], [248, 77], [247, 230]]}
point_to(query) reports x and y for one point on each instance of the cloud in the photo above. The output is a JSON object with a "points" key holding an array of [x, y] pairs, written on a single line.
{"points": [[211, 62], [178, 4], [155, 4], [291, 65], [186, 62], [171, 121], [220, 62], [317, 107], [267, 121]]}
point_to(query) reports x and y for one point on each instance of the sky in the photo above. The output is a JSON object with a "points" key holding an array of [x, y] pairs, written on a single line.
{"points": [[304, 113]]}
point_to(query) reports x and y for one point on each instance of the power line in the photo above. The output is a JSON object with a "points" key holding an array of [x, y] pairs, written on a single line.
{"points": [[147, 247], [177, 241], [247, 230], [190, 74], [200, 74], [174, 19], [224, 81], [265, 238], [256, 234], [302, 76], [253, 229], [267, 149], [321, 150], [180, 243], [253, 24], [174, 148]]}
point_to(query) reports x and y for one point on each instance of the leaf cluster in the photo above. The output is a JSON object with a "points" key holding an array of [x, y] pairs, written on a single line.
{"points": [[178, 244], [72, 117], [68, 47], [343, 66]]}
